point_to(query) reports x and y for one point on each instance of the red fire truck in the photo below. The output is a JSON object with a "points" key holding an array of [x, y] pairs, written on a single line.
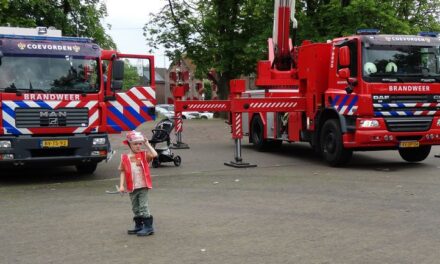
{"points": [[363, 92], [57, 103]]}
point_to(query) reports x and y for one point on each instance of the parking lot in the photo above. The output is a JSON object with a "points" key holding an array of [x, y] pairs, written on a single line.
{"points": [[292, 208]]}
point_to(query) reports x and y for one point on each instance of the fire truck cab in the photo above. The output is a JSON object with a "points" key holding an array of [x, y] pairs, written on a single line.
{"points": [[362, 92], [57, 104]]}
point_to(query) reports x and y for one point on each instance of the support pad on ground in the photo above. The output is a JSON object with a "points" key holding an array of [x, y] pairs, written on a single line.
{"points": [[240, 164], [179, 145]]}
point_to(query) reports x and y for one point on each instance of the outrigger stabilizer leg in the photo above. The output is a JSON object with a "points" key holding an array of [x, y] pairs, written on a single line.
{"points": [[238, 163], [178, 124], [179, 144]]}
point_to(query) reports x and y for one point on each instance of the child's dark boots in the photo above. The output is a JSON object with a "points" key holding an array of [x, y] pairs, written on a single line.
{"points": [[137, 225], [147, 228]]}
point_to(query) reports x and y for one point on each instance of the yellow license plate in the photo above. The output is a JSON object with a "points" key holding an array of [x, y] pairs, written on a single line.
{"points": [[55, 143], [409, 144]]}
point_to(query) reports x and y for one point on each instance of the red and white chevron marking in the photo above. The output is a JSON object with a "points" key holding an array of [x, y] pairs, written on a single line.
{"points": [[93, 117], [426, 112], [348, 111], [352, 111], [207, 106], [137, 97], [178, 122], [91, 105], [272, 105], [238, 125]]}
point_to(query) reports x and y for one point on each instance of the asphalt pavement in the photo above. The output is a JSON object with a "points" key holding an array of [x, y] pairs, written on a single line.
{"points": [[292, 208]]}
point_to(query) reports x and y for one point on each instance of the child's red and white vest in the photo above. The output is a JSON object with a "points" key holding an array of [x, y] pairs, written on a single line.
{"points": [[125, 160]]}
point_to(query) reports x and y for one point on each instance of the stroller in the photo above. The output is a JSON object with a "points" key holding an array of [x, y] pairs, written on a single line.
{"points": [[161, 134]]}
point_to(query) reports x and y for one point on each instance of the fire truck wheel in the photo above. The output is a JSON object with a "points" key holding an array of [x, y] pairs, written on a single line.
{"points": [[332, 148], [415, 154], [86, 168], [257, 134]]}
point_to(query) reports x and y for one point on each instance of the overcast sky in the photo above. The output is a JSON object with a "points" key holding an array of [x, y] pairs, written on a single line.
{"points": [[127, 18]]}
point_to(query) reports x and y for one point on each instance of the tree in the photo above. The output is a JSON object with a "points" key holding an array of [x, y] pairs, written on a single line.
{"points": [[228, 35], [231, 35], [131, 76], [208, 89], [320, 20], [72, 17]]}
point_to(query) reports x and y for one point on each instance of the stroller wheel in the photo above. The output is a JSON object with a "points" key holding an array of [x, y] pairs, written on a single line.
{"points": [[155, 163], [177, 161]]}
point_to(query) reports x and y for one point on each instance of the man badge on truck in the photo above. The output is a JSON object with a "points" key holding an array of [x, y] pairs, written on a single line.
{"points": [[51, 118]]}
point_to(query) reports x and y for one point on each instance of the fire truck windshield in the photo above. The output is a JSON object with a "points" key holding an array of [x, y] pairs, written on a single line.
{"points": [[393, 63], [66, 74]]}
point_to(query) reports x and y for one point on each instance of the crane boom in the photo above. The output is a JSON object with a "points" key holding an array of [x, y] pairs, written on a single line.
{"points": [[284, 11]]}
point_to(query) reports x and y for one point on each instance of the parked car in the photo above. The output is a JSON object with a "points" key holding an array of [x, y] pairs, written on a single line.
{"points": [[190, 115], [164, 109], [169, 114], [206, 115], [168, 111]]}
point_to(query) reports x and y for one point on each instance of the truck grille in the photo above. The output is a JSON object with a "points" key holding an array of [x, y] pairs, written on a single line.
{"points": [[405, 124], [406, 105], [40, 117], [407, 113]]}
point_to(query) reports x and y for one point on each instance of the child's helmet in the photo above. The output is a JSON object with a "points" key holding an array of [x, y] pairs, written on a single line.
{"points": [[134, 136]]}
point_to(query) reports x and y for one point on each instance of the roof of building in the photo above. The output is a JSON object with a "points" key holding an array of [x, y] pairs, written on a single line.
{"points": [[187, 62]]}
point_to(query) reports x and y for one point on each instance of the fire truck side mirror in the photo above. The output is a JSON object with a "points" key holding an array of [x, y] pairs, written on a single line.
{"points": [[344, 73], [344, 56], [117, 75], [118, 70], [117, 85]]}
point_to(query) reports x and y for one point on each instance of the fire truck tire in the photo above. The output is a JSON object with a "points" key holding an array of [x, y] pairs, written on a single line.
{"points": [[415, 154], [257, 136], [86, 168], [332, 147]]}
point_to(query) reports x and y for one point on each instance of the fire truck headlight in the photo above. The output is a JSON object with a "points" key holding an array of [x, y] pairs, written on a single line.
{"points": [[438, 122], [5, 144], [369, 123], [99, 141]]}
